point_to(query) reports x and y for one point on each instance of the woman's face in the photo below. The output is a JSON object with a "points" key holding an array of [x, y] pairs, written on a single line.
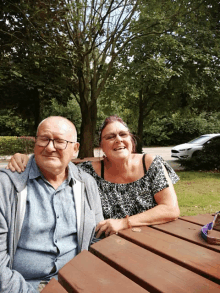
{"points": [[116, 141]]}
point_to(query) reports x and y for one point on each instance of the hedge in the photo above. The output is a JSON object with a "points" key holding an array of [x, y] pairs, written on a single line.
{"points": [[10, 145]]}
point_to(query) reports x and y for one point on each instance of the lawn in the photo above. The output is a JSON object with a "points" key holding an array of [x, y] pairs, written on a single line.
{"points": [[198, 192]]}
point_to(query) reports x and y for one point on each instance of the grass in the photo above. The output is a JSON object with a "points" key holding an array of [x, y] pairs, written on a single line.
{"points": [[198, 192]]}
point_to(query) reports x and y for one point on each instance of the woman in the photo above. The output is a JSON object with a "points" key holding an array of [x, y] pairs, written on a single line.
{"points": [[135, 189]]}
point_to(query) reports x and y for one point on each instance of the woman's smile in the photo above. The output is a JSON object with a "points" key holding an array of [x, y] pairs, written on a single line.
{"points": [[119, 148]]}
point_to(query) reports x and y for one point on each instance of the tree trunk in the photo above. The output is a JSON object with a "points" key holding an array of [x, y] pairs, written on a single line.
{"points": [[36, 113], [140, 123], [87, 132]]}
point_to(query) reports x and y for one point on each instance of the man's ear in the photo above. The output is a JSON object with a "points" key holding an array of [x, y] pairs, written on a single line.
{"points": [[75, 149]]}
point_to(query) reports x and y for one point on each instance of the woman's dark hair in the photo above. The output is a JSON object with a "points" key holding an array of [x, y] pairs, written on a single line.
{"points": [[115, 118]]}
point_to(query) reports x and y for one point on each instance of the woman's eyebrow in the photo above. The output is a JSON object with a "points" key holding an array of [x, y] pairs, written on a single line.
{"points": [[115, 133], [110, 133]]}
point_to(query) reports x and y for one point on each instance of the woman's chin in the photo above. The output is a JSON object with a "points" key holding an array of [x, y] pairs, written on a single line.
{"points": [[122, 154]]}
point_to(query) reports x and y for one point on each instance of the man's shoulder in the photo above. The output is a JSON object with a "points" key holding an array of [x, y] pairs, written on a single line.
{"points": [[4, 177], [19, 180]]}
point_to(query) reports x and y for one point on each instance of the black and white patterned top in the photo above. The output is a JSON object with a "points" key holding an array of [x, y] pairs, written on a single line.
{"points": [[119, 200]]}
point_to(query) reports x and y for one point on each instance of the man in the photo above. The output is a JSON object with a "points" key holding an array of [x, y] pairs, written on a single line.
{"points": [[48, 213]]}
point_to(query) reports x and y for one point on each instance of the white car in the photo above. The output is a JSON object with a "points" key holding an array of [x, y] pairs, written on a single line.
{"points": [[192, 148]]}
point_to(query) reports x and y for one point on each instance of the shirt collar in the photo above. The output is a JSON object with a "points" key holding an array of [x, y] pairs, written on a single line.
{"points": [[35, 173], [70, 179]]}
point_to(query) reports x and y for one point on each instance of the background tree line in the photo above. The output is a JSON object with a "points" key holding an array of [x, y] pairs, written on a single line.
{"points": [[155, 63]]}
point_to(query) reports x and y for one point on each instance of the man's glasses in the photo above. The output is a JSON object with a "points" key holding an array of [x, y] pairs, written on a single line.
{"points": [[60, 144]]}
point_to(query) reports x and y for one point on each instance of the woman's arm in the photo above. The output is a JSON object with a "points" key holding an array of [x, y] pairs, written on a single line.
{"points": [[167, 210], [18, 162]]}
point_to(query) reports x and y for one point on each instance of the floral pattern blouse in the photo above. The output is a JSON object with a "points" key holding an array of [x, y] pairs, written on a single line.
{"points": [[119, 200]]}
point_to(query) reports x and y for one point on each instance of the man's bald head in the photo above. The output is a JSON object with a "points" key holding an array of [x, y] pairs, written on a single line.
{"points": [[62, 123]]}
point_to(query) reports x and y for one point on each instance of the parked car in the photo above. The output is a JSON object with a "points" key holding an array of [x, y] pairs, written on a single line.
{"points": [[193, 147]]}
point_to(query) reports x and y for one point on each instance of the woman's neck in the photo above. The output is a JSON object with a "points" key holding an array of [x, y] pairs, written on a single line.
{"points": [[123, 171], [122, 165]]}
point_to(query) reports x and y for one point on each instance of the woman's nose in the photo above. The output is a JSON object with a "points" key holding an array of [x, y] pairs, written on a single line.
{"points": [[118, 138]]}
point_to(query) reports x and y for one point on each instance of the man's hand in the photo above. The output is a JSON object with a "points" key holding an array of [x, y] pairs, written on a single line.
{"points": [[110, 226], [18, 162]]}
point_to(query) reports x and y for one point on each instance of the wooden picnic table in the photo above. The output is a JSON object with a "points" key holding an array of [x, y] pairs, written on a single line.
{"points": [[171, 257]]}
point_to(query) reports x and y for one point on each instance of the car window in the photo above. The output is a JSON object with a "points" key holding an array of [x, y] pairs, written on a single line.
{"points": [[215, 138], [199, 140]]}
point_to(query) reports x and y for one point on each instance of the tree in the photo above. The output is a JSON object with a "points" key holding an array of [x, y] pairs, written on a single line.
{"points": [[98, 31], [85, 38], [174, 69], [33, 70], [85, 35]]}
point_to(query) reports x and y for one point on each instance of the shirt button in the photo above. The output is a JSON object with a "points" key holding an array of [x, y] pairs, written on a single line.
{"points": [[55, 240], [58, 216]]}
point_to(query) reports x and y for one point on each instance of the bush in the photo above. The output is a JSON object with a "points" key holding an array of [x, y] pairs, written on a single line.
{"points": [[177, 128], [10, 145], [207, 159]]}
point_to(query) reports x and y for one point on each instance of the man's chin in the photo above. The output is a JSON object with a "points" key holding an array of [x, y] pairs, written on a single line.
{"points": [[50, 162], [50, 165]]}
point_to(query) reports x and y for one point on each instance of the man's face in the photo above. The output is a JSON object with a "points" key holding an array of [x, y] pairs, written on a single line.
{"points": [[49, 159]]}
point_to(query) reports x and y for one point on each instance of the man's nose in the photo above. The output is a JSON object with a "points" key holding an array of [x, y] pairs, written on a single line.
{"points": [[50, 147]]}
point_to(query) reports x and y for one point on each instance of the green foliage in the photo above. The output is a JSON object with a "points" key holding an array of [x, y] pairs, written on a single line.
{"points": [[178, 67], [33, 69], [179, 128], [206, 159], [71, 111], [11, 124], [168, 57], [12, 144]]}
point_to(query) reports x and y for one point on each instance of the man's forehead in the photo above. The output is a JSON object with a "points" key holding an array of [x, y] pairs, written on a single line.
{"points": [[58, 127]]}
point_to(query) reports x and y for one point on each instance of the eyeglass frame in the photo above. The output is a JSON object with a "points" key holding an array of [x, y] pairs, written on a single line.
{"points": [[50, 139], [114, 135]]}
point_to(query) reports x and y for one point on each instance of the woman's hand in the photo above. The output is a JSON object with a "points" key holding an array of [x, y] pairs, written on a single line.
{"points": [[110, 226], [18, 162]]}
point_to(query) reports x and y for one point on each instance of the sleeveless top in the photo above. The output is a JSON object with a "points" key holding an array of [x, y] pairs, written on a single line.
{"points": [[121, 199]]}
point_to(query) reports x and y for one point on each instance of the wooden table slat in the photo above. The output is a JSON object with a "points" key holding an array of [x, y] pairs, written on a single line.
{"points": [[53, 287], [148, 269], [198, 219], [188, 231], [187, 254], [88, 274]]}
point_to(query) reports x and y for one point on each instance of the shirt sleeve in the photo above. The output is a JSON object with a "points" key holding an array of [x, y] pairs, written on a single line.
{"points": [[157, 175]]}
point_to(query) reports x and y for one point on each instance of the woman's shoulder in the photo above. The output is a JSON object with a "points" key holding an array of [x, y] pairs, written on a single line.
{"points": [[148, 159], [160, 166], [144, 159], [86, 166], [93, 168]]}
